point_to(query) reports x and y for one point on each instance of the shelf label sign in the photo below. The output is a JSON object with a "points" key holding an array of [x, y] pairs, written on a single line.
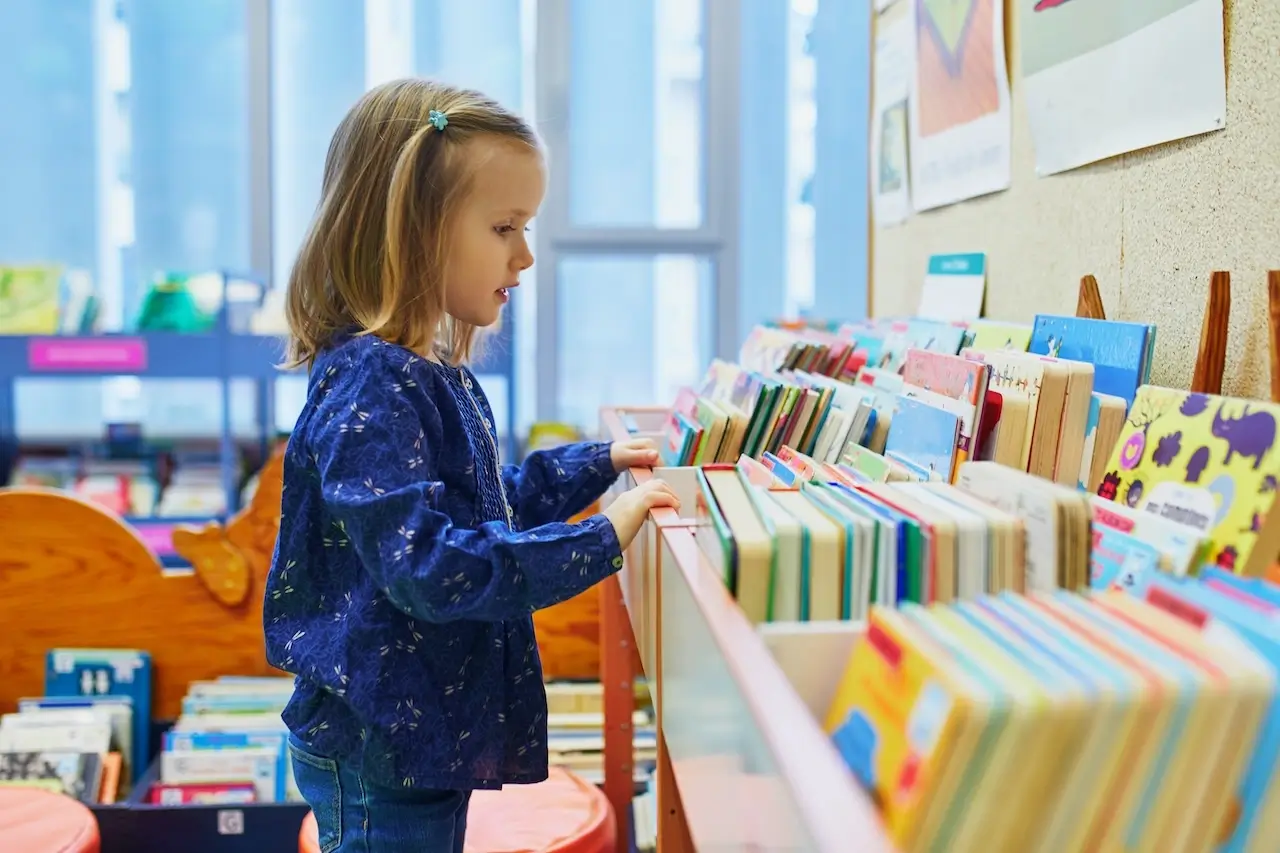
{"points": [[87, 354], [158, 536]]}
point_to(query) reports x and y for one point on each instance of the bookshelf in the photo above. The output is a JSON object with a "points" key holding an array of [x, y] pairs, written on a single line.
{"points": [[742, 763], [227, 354]]}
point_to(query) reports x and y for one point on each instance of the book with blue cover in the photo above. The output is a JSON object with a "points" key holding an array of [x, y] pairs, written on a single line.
{"points": [[1118, 351], [925, 435], [106, 672]]}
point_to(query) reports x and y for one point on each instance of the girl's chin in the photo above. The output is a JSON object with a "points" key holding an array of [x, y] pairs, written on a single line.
{"points": [[481, 319]]}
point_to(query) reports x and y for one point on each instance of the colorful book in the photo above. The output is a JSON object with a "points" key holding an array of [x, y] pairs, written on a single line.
{"points": [[1205, 461]]}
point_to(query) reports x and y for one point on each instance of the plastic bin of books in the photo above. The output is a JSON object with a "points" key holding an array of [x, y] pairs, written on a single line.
{"points": [[220, 776], [209, 827]]}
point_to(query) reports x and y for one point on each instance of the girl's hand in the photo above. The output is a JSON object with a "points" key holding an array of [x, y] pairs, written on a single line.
{"points": [[628, 512], [633, 453]]}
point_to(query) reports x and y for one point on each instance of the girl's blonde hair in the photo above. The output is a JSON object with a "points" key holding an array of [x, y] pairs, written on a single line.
{"points": [[373, 260]]}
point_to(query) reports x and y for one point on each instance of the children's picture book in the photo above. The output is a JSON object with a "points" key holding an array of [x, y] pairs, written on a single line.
{"points": [[106, 672], [925, 435], [1117, 351], [943, 377], [1205, 461], [987, 335]]}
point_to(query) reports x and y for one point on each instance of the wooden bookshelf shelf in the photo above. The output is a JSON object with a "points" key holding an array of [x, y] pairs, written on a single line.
{"points": [[742, 763]]}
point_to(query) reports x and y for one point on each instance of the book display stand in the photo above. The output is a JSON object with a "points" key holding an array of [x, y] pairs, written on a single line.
{"points": [[743, 764]]}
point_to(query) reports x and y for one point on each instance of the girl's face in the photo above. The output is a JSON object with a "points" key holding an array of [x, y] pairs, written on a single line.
{"points": [[490, 246]]}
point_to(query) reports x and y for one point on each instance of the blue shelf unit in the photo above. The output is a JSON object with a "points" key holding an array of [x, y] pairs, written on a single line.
{"points": [[221, 354]]}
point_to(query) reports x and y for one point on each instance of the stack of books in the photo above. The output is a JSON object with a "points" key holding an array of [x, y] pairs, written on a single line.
{"points": [[229, 745], [87, 736], [575, 729]]}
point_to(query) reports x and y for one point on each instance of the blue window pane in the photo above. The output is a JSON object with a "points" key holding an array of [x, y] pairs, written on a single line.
{"points": [[47, 134], [636, 113], [188, 139], [840, 44], [475, 44], [763, 178], [317, 73], [632, 331]]}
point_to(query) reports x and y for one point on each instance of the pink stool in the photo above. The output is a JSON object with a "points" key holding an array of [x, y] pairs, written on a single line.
{"points": [[37, 821]]}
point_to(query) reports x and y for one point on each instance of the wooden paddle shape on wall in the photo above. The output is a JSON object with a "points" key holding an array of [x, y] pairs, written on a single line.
{"points": [[1212, 358], [1089, 302]]}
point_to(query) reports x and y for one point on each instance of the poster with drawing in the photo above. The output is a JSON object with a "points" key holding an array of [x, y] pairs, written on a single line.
{"points": [[1103, 77], [881, 5], [894, 67], [961, 122]]}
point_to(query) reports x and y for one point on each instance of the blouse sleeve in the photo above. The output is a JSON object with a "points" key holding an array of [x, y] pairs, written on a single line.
{"points": [[558, 483], [377, 484]]}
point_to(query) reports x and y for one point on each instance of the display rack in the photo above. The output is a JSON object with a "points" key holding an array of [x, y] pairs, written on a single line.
{"points": [[216, 355], [742, 762], [223, 354]]}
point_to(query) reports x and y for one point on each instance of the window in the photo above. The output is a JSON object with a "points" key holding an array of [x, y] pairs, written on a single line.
{"points": [[48, 156], [708, 162], [631, 267], [125, 136], [635, 113], [801, 126], [631, 329]]}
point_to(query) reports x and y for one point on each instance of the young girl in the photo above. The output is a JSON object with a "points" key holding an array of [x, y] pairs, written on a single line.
{"points": [[409, 560]]}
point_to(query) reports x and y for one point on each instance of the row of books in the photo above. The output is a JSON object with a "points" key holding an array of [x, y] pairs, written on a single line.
{"points": [[1061, 651], [1207, 462], [795, 542], [1048, 398], [161, 485], [1146, 719], [575, 730], [86, 737]]}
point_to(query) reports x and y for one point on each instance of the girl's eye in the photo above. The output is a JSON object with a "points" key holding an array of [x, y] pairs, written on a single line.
{"points": [[504, 229]]}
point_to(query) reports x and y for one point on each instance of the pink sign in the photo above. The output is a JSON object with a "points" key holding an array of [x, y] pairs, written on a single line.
{"points": [[87, 354], [158, 536]]}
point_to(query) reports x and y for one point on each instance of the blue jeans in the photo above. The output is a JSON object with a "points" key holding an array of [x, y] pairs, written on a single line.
{"points": [[354, 816]]}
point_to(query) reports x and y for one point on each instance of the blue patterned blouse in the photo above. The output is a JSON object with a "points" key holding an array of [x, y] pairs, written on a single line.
{"points": [[408, 565]]}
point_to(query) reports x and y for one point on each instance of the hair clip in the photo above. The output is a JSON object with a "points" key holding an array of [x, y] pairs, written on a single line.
{"points": [[437, 118]]}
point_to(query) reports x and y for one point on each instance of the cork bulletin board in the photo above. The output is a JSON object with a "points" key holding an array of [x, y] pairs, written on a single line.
{"points": [[1151, 225]]}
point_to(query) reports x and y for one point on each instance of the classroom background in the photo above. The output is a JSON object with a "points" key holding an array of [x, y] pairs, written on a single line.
{"points": [[957, 324]]}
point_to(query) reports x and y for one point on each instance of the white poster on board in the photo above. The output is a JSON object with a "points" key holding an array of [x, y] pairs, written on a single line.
{"points": [[961, 124], [894, 67], [881, 5], [1103, 77]]}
